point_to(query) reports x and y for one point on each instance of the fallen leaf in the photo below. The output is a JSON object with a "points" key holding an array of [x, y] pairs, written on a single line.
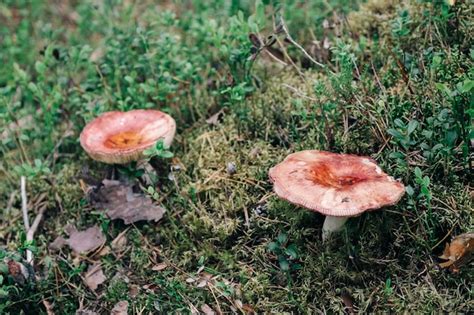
{"points": [[133, 291], [18, 271], [57, 244], [206, 309], [159, 267], [121, 202], [119, 243], [348, 302], [214, 119], [85, 241], [103, 252], [248, 309], [458, 252], [23, 123], [121, 308], [97, 54], [94, 277]]}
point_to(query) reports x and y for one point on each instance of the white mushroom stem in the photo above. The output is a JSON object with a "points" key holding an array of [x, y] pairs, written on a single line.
{"points": [[332, 224]]}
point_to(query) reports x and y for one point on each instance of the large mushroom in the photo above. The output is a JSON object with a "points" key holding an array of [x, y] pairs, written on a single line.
{"points": [[337, 185], [121, 137]]}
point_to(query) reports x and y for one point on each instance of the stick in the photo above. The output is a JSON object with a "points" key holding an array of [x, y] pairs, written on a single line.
{"points": [[24, 209], [288, 36], [24, 203]]}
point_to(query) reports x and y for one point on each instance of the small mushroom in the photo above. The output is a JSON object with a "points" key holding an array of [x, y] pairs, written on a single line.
{"points": [[121, 137], [337, 185]]}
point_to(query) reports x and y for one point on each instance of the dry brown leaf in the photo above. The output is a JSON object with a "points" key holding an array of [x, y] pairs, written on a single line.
{"points": [[20, 124], [57, 244], [94, 276], [121, 308], [458, 252], [206, 309], [121, 202], [18, 271], [103, 252], [190, 280], [214, 119], [248, 309], [85, 241], [348, 302], [97, 54], [134, 290], [119, 243], [159, 267]]}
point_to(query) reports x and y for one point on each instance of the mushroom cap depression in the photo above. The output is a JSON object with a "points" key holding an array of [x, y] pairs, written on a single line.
{"points": [[334, 184], [121, 137]]}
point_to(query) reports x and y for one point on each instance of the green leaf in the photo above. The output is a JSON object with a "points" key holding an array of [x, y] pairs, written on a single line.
{"points": [[425, 191], [396, 134], [284, 264], [40, 67], [273, 246], [451, 137], [19, 72], [282, 238], [397, 155], [443, 88], [3, 293], [418, 172], [166, 154], [467, 86], [409, 190], [259, 12], [150, 151], [399, 123], [32, 87], [291, 251], [412, 125]]}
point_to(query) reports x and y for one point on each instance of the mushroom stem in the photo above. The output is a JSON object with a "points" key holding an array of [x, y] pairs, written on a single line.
{"points": [[332, 224]]}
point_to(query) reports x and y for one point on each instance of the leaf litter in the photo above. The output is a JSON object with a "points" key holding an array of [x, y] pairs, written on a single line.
{"points": [[82, 242], [458, 252], [121, 308], [121, 202], [94, 276]]}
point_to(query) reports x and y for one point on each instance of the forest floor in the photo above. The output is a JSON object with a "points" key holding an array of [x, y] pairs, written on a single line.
{"points": [[247, 84]]}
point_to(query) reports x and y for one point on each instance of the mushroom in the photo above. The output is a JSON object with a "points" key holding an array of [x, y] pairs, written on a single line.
{"points": [[337, 185], [121, 137]]}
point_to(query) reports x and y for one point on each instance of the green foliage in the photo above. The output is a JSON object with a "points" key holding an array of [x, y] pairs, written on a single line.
{"points": [[286, 253], [159, 150]]}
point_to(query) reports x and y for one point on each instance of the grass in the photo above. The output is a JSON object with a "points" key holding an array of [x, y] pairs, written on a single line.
{"points": [[396, 84]]}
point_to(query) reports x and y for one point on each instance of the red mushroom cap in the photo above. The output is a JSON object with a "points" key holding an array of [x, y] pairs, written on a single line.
{"points": [[334, 184], [121, 137]]}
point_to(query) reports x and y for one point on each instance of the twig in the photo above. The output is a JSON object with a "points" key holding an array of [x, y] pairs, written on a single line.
{"points": [[24, 203], [30, 230], [297, 92], [291, 40], [24, 209]]}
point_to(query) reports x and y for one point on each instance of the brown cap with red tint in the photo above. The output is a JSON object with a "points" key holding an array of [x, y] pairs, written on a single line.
{"points": [[340, 185], [121, 137]]}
